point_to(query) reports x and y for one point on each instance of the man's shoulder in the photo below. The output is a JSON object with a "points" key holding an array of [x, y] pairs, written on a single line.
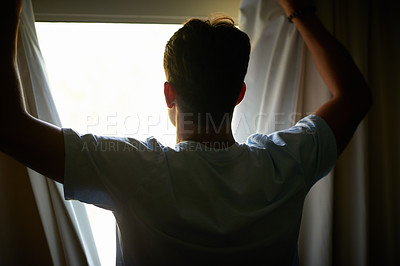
{"points": [[305, 130]]}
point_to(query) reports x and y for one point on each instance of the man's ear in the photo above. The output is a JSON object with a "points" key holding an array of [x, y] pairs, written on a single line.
{"points": [[242, 93], [169, 93]]}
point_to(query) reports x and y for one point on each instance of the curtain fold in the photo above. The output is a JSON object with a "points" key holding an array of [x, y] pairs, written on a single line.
{"points": [[384, 131], [367, 177], [315, 245], [40, 227]]}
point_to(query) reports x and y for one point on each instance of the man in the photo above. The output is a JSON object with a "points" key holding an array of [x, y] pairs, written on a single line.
{"points": [[209, 200]]}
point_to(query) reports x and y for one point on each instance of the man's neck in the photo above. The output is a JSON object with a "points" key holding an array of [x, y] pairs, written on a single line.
{"points": [[208, 134]]}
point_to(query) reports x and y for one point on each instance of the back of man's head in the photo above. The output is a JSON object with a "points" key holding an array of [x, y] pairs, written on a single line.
{"points": [[206, 62]]}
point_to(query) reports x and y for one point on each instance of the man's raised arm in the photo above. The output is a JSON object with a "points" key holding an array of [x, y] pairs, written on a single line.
{"points": [[351, 97], [34, 143]]}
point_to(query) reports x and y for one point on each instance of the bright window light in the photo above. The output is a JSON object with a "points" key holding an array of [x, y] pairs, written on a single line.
{"points": [[107, 79]]}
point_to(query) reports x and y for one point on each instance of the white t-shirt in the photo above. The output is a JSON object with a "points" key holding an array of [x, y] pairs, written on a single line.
{"points": [[195, 205]]}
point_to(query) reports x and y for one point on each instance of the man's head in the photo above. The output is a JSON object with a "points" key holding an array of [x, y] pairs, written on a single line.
{"points": [[205, 63]]}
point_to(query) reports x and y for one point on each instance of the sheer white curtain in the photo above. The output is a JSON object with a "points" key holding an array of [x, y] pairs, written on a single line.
{"points": [[56, 232], [273, 78], [283, 86]]}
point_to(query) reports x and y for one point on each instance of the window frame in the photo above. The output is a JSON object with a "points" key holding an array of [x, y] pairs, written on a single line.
{"points": [[123, 11]]}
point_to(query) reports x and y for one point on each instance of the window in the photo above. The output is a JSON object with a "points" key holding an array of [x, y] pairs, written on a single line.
{"points": [[107, 79]]}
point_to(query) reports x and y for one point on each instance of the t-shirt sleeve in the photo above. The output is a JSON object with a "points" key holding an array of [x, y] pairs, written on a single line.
{"points": [[310, 144], [99, 169]]}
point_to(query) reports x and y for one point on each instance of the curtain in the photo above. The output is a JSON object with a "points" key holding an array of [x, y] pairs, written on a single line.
{"points": [[352, 216], [277, 53], [38, 227], [366, 221], [282, 88]]}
